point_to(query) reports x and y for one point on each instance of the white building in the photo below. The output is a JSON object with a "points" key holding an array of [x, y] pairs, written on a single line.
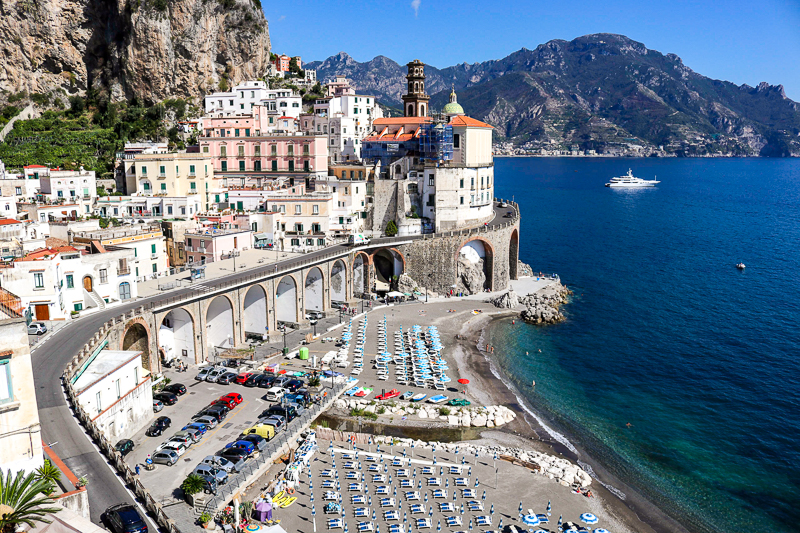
{"points": [[148, 207], [75, 186], [346, 120], [116, 391], [21, 434], [150, 258], [54, 282], [245, 96]]}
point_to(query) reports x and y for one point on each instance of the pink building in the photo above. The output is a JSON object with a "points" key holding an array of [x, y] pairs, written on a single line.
{"points": [[209, 244], [282, 62], [256, 145]]}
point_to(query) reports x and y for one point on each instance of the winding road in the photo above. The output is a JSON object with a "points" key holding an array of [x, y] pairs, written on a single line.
{"points": [[60, 428]]}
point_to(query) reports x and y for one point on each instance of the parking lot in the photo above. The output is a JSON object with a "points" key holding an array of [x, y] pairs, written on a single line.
{"points": [[164, 481]]}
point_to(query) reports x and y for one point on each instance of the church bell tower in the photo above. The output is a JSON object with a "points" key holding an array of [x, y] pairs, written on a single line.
{"points": [[415, 102]]}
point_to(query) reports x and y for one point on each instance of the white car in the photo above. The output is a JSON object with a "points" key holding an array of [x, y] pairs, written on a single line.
{"points": [[203, 374], [274, 394], [214, 374], [36, 328], [171, 446]]}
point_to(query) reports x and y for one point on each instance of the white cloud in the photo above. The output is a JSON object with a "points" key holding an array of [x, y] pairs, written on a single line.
{"points": [[283, 17], [415, 6]]}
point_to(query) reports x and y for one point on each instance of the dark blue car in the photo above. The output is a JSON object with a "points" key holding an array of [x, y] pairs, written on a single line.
{"points": [[245, 446], [202, 428]]}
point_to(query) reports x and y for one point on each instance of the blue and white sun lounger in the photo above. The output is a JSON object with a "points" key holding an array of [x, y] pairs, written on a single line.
{"points": [[361, 512], [388, 502], [412, 496], [335, 523], [453, 521], [483, 521]]}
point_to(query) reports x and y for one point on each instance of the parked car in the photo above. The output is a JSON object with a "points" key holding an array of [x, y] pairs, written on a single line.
{"points": [[244, 376], [257, 440], [252, 380], [293, 385], [311, 319], [221, 463], [234, 455], [167, 398], [276, 421], [227, 378], [265, 381], [233, 363], [37, 328], [176, 388], [158, 426], [274, 394], [215, 373], [265, 431], [210, 485], [218, 410], [217, 415], [299, 409], [158, 405], [197, 426], [124, 447], [509, 214], [207, 420], [235, 396], [203, 374], [124, 518], [503, 204], [228, 402], [207, 470], [289, 412], [247, 446], [165, 457], [280, 381], [177, 447], [191, 433]]}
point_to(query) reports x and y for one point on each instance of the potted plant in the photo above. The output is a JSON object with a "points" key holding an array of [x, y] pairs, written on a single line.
{"points": [[82, 482], [205, 520], [192, 485]]}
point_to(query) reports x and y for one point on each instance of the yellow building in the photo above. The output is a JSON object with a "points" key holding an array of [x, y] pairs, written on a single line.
{"points": [[175, 175]]}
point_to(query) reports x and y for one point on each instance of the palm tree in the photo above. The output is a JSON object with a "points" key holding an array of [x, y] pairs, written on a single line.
{"points": [[21, 501], [49, 474]]}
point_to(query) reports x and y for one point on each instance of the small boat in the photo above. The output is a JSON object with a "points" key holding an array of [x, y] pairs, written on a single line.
{"points": [[418, 397], [364, 392], [439, 398], [740, 266]]}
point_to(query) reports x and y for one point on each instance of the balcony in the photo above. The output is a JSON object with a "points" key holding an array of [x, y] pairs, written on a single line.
{"points": [[153, 256], [192, 175], [123, 271], [162, 176]]}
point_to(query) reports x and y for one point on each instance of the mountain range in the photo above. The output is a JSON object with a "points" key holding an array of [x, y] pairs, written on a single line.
{"points": [[601, 92]]}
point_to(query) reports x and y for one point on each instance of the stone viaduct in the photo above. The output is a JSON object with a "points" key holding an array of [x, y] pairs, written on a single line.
{"points": [[212, 316]]}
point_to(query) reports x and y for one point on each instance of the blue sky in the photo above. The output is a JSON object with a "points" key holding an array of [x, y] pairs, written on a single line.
{"points": [[739, 41]]}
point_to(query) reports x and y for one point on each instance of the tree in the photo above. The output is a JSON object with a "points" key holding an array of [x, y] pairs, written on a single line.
{"points": [[22, 501], [49, 474], [192, 484], [391, 229]]}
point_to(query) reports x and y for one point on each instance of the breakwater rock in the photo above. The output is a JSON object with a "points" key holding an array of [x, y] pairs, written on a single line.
{"points": [[489, 416], [543, 307], [507, 300]]}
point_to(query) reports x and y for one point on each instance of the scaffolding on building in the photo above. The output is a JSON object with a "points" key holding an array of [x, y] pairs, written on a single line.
{"points": [[436, 142]]}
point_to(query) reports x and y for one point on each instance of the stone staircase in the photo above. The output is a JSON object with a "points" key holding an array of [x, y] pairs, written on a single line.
{"points": [[94, 297]]}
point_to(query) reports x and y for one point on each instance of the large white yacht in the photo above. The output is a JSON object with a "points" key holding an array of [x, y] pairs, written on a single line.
{"points": [[629, 180]]}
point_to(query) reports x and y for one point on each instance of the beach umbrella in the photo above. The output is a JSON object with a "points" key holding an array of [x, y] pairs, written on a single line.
{"points": [[369, 500], [313, 511], [455, 492], [404, 453], [560, 520], [343, 515], [419, 486], [500, 525], [415, 472], [439, 526], [426, 497], [434, 459], [548, 507], [476, 482], [484, 495], [589, 518], [462, 508], [447, 483], [463, 381], [469, 472], [430, 513], [601, 530], [520, 508], [395, 491], [463, 460], [405, 517], [470, 525], [491, 510], [441, 470], [530, 520], [374, 516]]}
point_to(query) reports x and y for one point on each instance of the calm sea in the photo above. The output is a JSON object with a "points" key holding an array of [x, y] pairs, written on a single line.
{"points": [[665, 333]]}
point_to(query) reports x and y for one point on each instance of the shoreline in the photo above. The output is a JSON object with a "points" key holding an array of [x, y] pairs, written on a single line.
{"points": [[489, 386]]}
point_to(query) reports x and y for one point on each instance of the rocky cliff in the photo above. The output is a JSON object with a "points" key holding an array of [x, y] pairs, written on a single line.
{"points": [[151, 49], [599, 92]]}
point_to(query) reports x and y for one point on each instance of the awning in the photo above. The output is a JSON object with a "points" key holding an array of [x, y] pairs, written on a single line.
{"points": [[262, 236], [395, 294]]}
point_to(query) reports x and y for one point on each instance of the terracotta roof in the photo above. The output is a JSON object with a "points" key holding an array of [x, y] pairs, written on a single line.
{"points": [[400, 120], [7, 221], [35, 166], [52, 242], [462, 120], [290, 118], [394, 139]]}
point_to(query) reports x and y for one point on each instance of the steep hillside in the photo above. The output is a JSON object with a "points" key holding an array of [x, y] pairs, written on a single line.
{"points": [[150, 49], [602, 92]]}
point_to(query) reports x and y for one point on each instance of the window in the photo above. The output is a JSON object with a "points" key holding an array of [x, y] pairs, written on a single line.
{"points": [[291, 149], [310, 242], [315, 209], [223, 151], [164, 187], [241, 166], [205, 149], [192, 186], [461, 183], [144, 171], [136, 375], [6, 389], [236, 131], [70, 281], [191, 170], [119, 391], [257, 150], [257, 166], [461, 200], [412, 188], [122, 267], [247, 132], [305, 149], [99, 403], [274, 165], [430, 180], [472, 183], [431, 200], [38, 280], [155, 268], [291, 166], [169, 207], [456, 140], [224, 166], [298, 209], [77, 307], [273, 149], [103, 275], [60, 194], [18, 191]]}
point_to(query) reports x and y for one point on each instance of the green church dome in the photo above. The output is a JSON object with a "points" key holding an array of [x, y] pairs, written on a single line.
{"points": [[453, 107]]}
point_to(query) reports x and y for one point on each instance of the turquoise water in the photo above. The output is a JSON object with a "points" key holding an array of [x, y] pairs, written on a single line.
{"points": [[665, 333]]}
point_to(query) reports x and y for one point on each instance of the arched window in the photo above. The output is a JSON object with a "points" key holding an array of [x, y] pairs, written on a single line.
{"points": [[422, 110], [125, 291], [410, 110], [397, 170]]}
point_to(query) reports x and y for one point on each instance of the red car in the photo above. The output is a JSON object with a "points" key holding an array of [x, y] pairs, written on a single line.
{"points": [[230, 403], [394, 393], [241, 378], [235, 396]]}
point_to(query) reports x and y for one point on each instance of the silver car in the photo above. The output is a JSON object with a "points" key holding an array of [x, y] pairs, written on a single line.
{"points": [[209, 421], [214, 374], [165, 457], [203, 374], [215, 461], [209, 471], [36, 328], [157, 406], [189, 433]]}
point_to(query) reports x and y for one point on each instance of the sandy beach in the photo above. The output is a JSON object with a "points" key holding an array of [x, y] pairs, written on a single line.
{"points": [[461, 323]]}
